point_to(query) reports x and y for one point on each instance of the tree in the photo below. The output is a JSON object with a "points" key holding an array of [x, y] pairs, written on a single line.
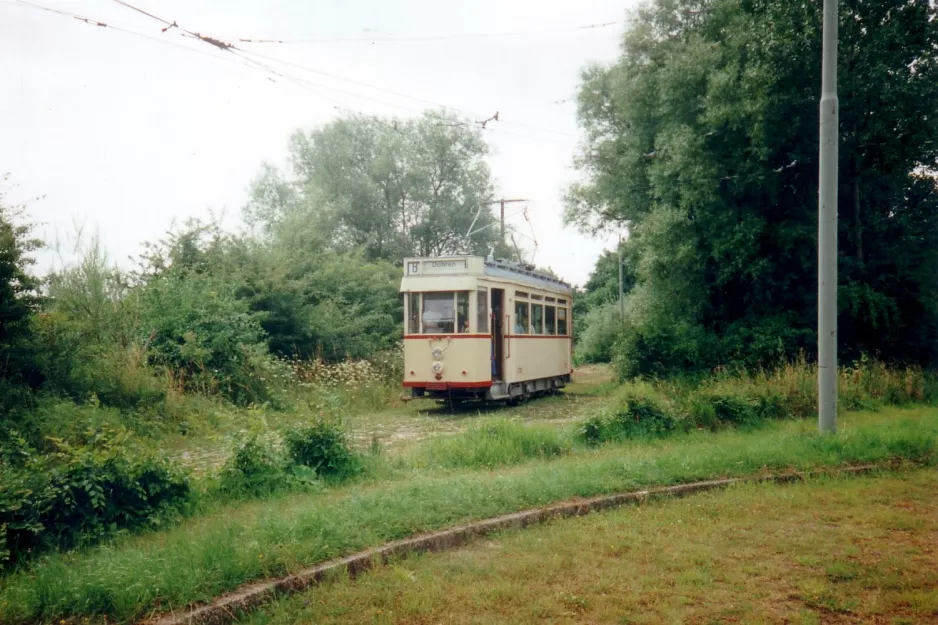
{"points": [[391, 188], [702, 139], [19, 296]]}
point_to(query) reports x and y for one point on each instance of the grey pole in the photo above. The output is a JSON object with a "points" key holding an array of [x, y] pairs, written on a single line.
{"points": [[621, 300], [827, 228]]}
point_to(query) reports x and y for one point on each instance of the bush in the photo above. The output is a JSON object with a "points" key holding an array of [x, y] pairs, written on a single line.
{"points": [[744, 398], [640, 413], [493, 444], [601, 328], [205, 336], [662, 348], [255, 468], [81, 493], [324, 448], [733, 409]]}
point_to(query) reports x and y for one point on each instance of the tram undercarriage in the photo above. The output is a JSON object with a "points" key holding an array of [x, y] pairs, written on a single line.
{"points": [[498, 391]]}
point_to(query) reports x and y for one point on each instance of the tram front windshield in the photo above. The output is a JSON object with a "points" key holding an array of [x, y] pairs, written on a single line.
{"points": [[445, 312]]}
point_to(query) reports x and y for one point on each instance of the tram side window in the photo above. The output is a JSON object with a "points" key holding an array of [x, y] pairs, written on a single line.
{"points": [[413, 313], [537, 319], [482, 311], [462, 312], [522, 319], [439, 313], [562, 321], [550, 320]]}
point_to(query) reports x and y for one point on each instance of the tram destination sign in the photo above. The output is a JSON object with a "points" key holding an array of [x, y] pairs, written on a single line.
{"points": [[436, 267]]}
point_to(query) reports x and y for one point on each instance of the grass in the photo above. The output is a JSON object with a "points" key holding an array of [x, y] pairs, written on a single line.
{"points": [[205, 556], [492, 444], [832, 551]]}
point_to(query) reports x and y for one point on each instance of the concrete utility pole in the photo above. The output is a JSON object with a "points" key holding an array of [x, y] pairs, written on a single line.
{"points": [[621, 299], [827, 228]]}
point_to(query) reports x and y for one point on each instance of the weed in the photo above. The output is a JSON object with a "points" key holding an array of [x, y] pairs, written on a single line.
{"points": [[324, 448], [498, 443], [80, 493], [219, 550], [256, 468]]}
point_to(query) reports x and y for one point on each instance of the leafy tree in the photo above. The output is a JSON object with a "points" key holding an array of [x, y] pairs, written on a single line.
{"points": [[391, 188], [596, 317], [702, 139], [19, 300]]}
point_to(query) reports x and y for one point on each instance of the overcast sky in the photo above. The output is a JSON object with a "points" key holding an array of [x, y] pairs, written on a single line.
{"points": [[124, 134]]}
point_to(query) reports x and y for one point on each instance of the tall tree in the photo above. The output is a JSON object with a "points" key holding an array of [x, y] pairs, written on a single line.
{"points": [[702, 138], [391, 188], [19, 298]]}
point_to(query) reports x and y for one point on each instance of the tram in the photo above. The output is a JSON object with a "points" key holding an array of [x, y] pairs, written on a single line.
{"points": [[481, 328]]}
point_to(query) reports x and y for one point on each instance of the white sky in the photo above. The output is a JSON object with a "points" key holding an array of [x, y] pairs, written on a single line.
{"points": [[125, 134]]}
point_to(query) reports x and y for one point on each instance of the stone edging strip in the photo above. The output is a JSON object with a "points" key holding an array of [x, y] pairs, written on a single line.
{"points": [[224, 609]]}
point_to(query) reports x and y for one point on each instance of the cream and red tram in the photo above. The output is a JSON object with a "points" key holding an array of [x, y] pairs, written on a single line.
{"points": [[477, 328]]}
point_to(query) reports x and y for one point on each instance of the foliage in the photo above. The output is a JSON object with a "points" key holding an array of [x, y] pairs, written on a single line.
{"points": [[737, 398], [82, 492], [702, 141], [19, 300], [256, 468], [205, 336], [600, 328], [596, 318], [493, 444], [218, 552], [324, 448], [639, 413], [392, 188]]}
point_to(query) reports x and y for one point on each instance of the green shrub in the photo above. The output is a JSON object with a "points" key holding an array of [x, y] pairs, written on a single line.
{"points": [[733, 409], [205, 337], [493, 444], [255, 468], [601, 328], [324, 448], [80, 493], [593, 430]]}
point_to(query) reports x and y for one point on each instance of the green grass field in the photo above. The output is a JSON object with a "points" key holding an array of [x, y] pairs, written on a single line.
{"points": [[231, 544], [849, 550]]}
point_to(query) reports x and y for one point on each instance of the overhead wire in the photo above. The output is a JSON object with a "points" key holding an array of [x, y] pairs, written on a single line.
{"points": [[432, 38], [244, 60], [230, 47], [112, 26], [393, 92]]}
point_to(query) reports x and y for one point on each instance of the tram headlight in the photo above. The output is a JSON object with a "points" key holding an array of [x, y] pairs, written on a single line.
{"points": [[438, 367], [437, 354]]}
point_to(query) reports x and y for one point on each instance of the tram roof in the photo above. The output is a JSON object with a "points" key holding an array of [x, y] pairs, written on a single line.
{"points": [[479, 266]]}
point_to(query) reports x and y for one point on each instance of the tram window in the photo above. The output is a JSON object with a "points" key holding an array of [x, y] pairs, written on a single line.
{"points": [[520, 294], [550, 320], [536, 297], [562, 321], [413, 313], [522, 319], [549, 299], [439, 313], [537, 319], [561, 301], [482, 311], [462, 312]]}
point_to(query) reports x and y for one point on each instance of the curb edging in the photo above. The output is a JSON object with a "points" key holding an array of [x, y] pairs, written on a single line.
{"points": [[224, 609]]}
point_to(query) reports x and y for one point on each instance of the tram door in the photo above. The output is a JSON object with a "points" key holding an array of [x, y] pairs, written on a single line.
{"points": [[498, 333]]}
